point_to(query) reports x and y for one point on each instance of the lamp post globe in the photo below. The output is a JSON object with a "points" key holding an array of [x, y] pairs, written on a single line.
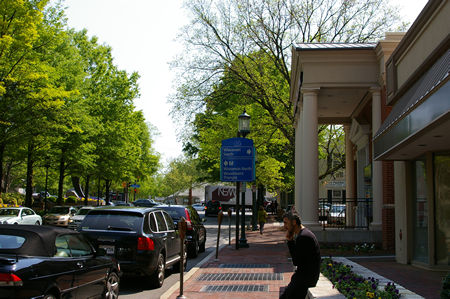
{"points": [[244, 124]]}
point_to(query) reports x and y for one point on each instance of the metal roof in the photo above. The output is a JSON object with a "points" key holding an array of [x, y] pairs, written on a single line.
{"points": [[334, 46]]}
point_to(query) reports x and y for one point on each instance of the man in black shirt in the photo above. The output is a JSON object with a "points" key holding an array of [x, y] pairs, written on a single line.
{"points": [[305, 253]]}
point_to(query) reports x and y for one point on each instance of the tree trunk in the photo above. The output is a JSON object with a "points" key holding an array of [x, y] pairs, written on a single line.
{"points": [[62, 161], [190, 196], [77, 186], [7, 181], [2, 184], [107, 185], [86, 189], [29, 179]]}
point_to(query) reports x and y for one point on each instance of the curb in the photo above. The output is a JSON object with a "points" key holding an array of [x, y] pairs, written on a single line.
{"points": [[189, 274]]}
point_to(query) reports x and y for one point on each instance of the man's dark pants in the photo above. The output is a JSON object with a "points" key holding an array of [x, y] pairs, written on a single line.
{"points": [[296, 289]]}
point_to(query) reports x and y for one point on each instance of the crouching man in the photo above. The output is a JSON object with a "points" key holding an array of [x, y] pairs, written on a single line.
{"points": [[305, 253]]}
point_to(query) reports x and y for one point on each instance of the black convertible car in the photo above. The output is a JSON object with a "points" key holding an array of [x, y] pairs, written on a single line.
{"points": [[52, 262]]}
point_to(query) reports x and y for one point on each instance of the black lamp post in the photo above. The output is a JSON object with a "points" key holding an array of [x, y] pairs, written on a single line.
{"points": [[47, 166], [244, 129]]}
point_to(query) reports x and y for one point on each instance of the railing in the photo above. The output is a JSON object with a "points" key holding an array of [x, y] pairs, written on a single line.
{"points": [[345, 213]]}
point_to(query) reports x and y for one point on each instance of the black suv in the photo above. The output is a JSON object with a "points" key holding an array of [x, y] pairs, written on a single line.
{"points": [[196, 232], [143, 240], [212, 208]]}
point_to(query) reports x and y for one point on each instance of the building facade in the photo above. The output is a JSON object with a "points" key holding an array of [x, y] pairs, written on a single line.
{"points": [[416, 136], [393, 99]]}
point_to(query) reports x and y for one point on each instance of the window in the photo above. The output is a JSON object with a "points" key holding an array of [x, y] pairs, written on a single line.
{"points": [[169, 221], [78, 246], [62, 248], [27, 212], [160, 222], [11, 241], [153, 223], [337, 193]]}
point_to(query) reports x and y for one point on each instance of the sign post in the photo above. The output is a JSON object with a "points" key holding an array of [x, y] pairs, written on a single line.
{"points": [[237, 164]]}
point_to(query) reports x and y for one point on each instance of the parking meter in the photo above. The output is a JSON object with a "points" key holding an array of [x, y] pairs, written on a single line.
{"points": [[182, 227], [219, 221]]}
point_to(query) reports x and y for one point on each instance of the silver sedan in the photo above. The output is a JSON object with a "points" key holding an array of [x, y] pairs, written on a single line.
{"points": [[20, 215]]}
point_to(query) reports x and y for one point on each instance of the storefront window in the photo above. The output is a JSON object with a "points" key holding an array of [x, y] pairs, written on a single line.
{"points": [[420, 213], [442, 197]]}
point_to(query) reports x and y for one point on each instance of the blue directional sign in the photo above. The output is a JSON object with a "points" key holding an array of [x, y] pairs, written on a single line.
{"points": [[135, 186], [237, 160]]}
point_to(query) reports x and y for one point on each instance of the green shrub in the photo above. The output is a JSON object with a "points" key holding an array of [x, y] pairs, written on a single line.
{"points": [[352, 285], [13, 198], [71, 200]]}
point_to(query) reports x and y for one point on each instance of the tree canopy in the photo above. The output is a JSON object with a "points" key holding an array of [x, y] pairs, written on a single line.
{"points": [[237, 55]]}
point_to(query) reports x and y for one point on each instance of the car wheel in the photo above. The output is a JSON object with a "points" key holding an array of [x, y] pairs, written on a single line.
{"points": [[37, 223], [112, 286], [49, 296], [157, 278]]}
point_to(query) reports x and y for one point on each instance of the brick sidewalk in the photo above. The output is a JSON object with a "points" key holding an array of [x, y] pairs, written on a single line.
{"points": [[265, 263]]}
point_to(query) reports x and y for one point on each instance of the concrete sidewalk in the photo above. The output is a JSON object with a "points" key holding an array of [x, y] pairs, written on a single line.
{"points": [[265, 268]]}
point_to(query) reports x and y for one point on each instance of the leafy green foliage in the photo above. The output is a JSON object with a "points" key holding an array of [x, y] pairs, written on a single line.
{"points": [[237, 55], [352, 285]]}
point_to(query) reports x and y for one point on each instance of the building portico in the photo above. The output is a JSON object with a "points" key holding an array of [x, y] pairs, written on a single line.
{"points": [[338, 84]]}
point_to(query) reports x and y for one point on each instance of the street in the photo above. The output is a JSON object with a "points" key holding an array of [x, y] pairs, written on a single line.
{"points": [[133, 287]]}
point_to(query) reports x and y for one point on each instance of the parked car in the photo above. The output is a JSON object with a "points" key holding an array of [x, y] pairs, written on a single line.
{"points": [[324, 210], [121, 203], [20, 215], [143, 240], [196, 231], [212, 207], [336, 214], [75, 220], [59, 215], [144, 202], [198, 207], [53, 262]]}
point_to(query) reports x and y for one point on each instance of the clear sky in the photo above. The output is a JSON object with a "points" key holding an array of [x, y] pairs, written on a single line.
{"points": [[142, 36]]}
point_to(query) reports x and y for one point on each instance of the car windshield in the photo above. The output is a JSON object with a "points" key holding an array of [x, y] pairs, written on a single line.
{"points": [[11, 241], [83, 211], [59, 210], [175, 212], [113, 220], [337, 209], [9, 212]]}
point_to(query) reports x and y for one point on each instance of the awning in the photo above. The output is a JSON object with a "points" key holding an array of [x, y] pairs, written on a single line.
{"points": [[426, 101]]}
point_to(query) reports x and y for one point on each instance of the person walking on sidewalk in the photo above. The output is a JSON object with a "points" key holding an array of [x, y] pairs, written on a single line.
{"points": [[262, 215], [305, 252]]}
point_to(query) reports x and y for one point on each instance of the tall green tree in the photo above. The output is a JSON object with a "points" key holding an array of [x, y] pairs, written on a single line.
{"points": [[239, 51]]}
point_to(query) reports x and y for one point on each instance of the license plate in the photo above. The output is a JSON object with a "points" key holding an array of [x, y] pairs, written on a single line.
{"points": [[109, 248]]}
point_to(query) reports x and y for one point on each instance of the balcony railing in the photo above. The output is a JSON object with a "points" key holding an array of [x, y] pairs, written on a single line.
{"points": [[345, 213]]}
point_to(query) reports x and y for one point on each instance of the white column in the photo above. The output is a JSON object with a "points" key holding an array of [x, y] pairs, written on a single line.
{"points": [[377, 170], [298, 163], [349, 178], [310, 162]]}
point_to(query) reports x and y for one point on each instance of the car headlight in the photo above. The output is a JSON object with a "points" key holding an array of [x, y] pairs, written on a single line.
{"points": [[64, 218]]}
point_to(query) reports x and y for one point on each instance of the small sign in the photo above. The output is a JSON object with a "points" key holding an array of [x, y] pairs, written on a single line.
{"points": [[135, 186]]}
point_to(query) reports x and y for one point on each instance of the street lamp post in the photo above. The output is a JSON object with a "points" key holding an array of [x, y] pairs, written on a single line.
{"points": [[244, 129]]}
